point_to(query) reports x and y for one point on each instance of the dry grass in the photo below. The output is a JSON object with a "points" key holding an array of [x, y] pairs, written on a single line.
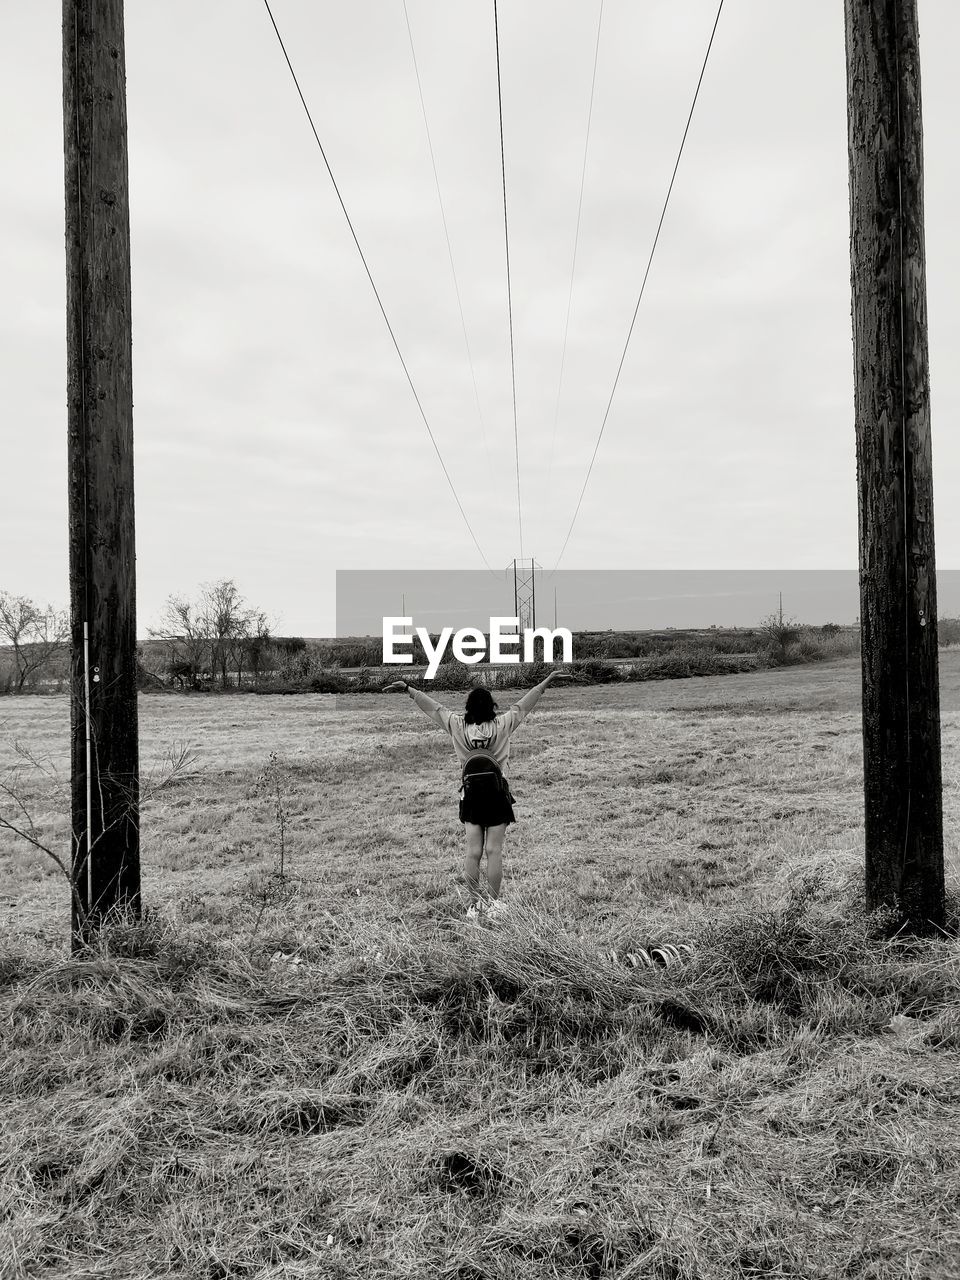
{"points": [[352, 1082]]}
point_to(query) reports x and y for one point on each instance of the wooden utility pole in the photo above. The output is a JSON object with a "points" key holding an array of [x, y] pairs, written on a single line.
{"points": [[103, 683], [898, 596]]}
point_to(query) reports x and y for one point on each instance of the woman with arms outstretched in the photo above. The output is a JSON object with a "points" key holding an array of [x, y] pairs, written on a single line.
{"points": [[481, 740]]}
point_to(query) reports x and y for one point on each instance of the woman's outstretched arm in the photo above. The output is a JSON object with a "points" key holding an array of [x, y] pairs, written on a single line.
{"points": [[520, 710], [438, 713]]}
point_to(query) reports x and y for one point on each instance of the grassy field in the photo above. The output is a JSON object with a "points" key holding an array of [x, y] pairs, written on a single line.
{"points": [[337, 1076]]}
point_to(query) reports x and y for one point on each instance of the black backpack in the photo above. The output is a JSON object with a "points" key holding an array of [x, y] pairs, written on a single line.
{"points": [[482, 776]]}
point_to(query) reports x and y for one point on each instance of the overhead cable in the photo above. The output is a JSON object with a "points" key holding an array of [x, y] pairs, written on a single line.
{"points": [[506, 236], [643, 286], [446, 232], [576, 240], [373, 285]]}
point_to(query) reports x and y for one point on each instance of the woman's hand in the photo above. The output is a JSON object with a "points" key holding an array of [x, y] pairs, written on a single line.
{"points": [[559, 675], [398, 686]]}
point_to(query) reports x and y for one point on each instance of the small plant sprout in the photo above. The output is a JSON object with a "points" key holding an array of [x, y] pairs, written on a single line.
{"points": [[270, 783]]}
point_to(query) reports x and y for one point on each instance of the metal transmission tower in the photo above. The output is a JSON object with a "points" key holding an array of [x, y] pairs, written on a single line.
{"points": [[525, 593]]}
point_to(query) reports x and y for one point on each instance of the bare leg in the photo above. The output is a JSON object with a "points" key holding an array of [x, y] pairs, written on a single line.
{"points": [[494, 850], [471, 865]]}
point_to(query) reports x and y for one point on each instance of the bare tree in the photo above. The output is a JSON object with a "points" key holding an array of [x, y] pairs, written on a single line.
{"points": [[189, 647], [254, 644], [34, 635], [214, 634], [227, 622]]}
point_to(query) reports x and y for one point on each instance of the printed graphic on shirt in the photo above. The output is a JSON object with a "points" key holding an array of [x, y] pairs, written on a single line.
{"points": [[480, 735]]}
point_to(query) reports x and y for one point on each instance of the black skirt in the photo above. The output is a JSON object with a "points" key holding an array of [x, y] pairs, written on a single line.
{"points": [[486, 801]]}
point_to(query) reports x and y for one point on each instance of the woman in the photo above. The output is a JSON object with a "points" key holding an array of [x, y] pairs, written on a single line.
{"points": [[486, 808]]}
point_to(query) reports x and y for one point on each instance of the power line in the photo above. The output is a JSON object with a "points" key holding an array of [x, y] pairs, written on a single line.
{"points": [[576, 243], [446, 232], [373, 285], [506, 237], [643, 285]]}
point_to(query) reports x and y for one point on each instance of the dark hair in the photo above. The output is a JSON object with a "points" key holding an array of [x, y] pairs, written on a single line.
{"points": [[480, 707]]}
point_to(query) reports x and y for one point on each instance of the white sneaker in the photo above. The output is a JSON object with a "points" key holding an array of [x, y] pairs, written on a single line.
{"points": [[474, 911], [495, 907]]}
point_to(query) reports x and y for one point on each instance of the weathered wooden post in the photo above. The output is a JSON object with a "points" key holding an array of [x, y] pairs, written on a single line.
{"points": [[898, 596], [104, 755]]}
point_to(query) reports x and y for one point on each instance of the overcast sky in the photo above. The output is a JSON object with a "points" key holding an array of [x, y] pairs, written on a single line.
{"points": [[277, 439]]}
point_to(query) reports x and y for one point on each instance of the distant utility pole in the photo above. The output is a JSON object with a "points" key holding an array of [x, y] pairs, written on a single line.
{"points": [[898, 597], [103, 680]]}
